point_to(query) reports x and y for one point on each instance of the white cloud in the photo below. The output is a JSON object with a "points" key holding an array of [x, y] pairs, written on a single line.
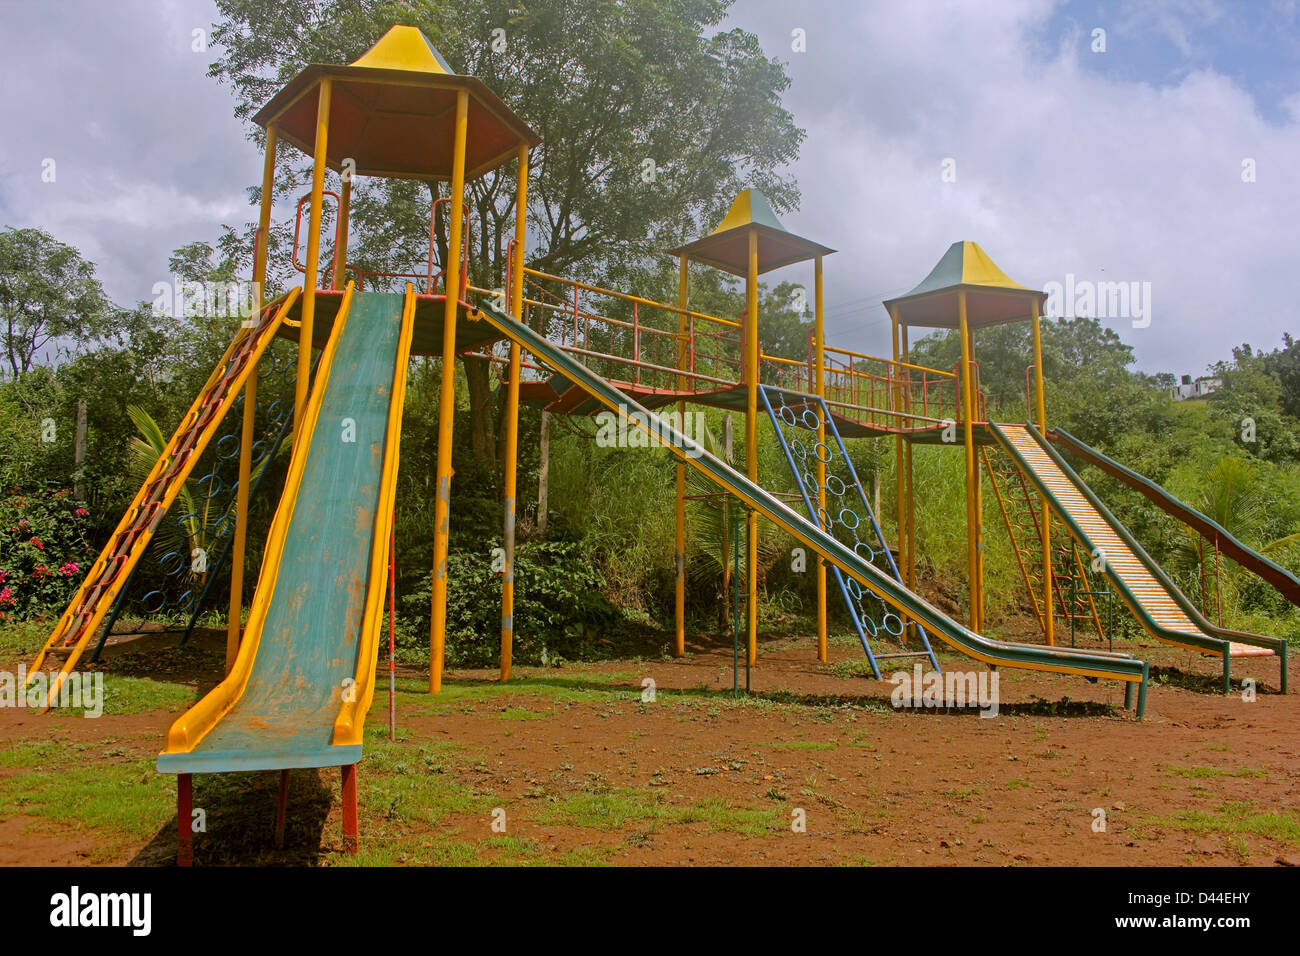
{"points": [[1061, 168]]}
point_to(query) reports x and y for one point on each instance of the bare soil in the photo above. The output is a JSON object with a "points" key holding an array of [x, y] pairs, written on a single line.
{"points": [[1204, 779]]}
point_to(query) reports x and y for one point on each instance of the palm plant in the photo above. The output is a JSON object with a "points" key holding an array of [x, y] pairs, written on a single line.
{"points": [[194, 533], [715, 521]]}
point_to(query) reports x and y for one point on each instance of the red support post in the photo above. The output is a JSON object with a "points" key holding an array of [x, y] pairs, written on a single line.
{"points": [[184, 820], [351, 840]]}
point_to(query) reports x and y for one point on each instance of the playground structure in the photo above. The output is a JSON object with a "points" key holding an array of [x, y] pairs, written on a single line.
{"points": [[301, 672]]}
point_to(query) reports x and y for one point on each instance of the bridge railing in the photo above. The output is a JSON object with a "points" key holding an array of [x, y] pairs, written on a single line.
{"points": [[652, 347]]}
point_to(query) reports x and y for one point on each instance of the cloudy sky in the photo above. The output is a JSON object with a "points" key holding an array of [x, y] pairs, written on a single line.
{"points": [[928, 122]]}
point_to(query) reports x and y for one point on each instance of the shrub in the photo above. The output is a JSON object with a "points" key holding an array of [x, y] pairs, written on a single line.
{"points": [[44, 553], [559, 606]]}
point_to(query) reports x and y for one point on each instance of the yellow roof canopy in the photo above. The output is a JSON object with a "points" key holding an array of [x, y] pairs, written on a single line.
{"points": [[393, 112], [727, 247], [992, 297]]}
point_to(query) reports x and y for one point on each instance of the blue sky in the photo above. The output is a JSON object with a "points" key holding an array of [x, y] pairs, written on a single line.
{"points": [[1254, 44]]}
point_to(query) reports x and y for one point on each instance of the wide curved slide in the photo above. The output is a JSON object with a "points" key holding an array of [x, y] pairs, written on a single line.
{"points": [[1097, 664], [1285, 583], [1158, 604], [303, 680]]}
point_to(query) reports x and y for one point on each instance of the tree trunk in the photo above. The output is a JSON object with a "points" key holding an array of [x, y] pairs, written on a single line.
{"points": [[79, 452], [481, 432], [543, 471]]}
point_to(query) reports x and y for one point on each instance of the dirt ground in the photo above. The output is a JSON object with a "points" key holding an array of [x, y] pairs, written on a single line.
{"points": [[573, 767]]}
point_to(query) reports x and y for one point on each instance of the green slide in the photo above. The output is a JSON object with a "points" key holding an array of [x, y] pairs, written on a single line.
{"points": [[1097, 664]]}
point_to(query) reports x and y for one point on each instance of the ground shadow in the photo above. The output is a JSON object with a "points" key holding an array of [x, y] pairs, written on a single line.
{"points": [[239, 821]]}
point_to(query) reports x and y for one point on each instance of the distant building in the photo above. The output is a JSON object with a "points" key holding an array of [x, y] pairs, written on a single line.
{"points": [[1201, 388]]}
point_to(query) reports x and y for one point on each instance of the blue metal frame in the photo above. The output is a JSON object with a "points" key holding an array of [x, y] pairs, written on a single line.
{"points": [[853, 602]]}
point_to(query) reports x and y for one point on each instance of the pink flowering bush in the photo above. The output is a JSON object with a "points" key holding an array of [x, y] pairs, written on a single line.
{"points": [[44, 552]]}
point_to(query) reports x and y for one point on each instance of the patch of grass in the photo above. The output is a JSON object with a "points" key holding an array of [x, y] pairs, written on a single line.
{"points": [[803, 745], [22, 640], [852, 667], [1202, 772], [1236, 818], [125, 799], [1015, 783], [413, 784], [138, 695]]}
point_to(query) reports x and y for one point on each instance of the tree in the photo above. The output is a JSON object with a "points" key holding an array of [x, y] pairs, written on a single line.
{"points": [[652, 120], [48, 295]]}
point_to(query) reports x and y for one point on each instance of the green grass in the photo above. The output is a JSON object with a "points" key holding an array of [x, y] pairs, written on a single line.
{"points": [[122, 799], [803, 745], [137, 695], [1236, 818], [22, 640], [413, 696], [518, 713], [1205, 772]]}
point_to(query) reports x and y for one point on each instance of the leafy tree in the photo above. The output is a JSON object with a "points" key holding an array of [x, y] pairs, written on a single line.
{"points": [[608, 84], [48, 295], [1250, 403]]}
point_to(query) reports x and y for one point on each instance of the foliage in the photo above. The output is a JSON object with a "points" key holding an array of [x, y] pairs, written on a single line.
{"points": [[560, 610], [43, 552], [49, 296]]}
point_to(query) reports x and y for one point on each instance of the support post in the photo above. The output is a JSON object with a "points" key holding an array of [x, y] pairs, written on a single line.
{"points": [[1040, 410], [184, 820], [512, 419], [234, 621], [281, 809], [341, 244], [968, 434], [909, 563], [819, 369], [679, 552], [900, 473], [351, 838], [751, 439], [319, 152], [447, 402]]}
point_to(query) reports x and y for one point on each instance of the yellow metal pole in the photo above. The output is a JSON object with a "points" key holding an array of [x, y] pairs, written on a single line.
{"points": [[313, 257], [751, 437], [819, 357], [679, 578], [447, 402], [234, 622], [341, 246], [1040, 402], [512, 419], [968, 434], [900, 470], [909, 570]]}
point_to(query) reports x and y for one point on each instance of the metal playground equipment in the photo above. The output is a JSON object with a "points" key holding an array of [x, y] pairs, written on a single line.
{"points": [[301, 669]]}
